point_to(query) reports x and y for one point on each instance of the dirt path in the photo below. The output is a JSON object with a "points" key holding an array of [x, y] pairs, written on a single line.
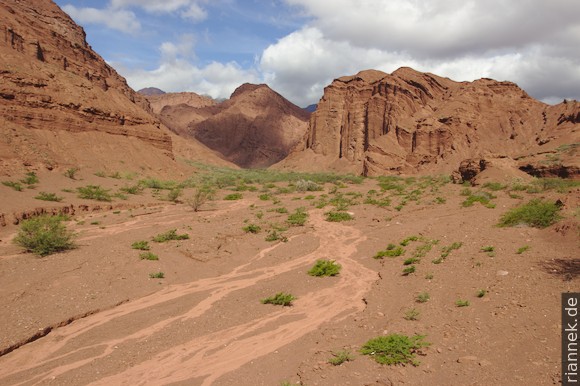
{"points": [[124, 335]]}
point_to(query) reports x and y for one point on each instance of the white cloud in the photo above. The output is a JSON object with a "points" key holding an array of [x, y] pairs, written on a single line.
{"points": [[120, 20], [188, 9], [184, 49]]}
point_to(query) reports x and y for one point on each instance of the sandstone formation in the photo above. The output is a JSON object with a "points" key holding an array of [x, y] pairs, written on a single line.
{"points": [[256, 127], [406, 122], [148, 91]]}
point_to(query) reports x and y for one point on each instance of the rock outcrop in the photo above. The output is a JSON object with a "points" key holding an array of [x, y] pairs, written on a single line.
{"points": [[54, 90], [408, 122], [255, 128]]}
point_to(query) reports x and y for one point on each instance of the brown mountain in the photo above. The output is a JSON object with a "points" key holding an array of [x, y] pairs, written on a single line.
{"points": [[256, 127], [61, 105], [375, 123], [151, 91]]}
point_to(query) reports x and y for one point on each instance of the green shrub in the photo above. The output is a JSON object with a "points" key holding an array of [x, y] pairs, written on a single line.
{"points": [[481, 293], [488, 248], [233, 197], [484, 198], [338, 216], [406, 242], [391, 251], [264, 197], [411, 260], [298, 218], [94, 192], [536, 213], [410, 269], [44, 235], [30, 179], [71, 173], [133, 189], [48, 197], [14, 185], [423, 297], [157, 275], [522, 249], [274, 235], [325, 268], [280, 299], [412, 314], [462, 303], [198, 198], [174, 194], [394, 349], [252, 228], [141, 245], [495, 186], [148, 256], [445, 251], [170, 235], [340, 357], [307, 186]]}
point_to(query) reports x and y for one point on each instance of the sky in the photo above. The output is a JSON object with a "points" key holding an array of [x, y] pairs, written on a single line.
{"points": [[298, 47]]}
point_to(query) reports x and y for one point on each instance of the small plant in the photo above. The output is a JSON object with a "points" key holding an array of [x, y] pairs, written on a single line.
{"points": [[411, 260], [71, 173], [462, 303], [170, 235], [307, 186], [298, 218], [280, 299], [101, 174], [157, 275], [14, 185], [394, 349], [487, 249], [233, 197], [484, 198], [132, 189], [423, 297], [252, 228], [522, 249], [481, 293], [411, 314], [340, 357], [325, 268], [391, 251], [48, 197], [536, 213], [406, 242], [274, 235], [445, 251], [94, 192], [148, 256], [44, 235], [338, 216], [174, 194], [281, 210], [198, 198], [141, 245], [30, 179], [410, 269], [495, 186], [259, 215], [429, 276]]}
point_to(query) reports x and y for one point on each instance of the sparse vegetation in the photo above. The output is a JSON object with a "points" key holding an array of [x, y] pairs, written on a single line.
{"points": [[483, 197], [280, 299], [252, 228], [44, 235], [338, 216], [340, 357], [141, 245], [409, 270], [325, 268], [233, 196], [48, 197], [148, 256], [394, 349], [445, 251], [30, 179], [522, 249], [71, 173], [536, 213], [94, 192], [298, 218], [412, 314], [462, 303], [274, 235], [157, 275], [307, 186], [198, 198], [14, 185], [170, 235], [391, 251], [423, 297], [481, 293]]}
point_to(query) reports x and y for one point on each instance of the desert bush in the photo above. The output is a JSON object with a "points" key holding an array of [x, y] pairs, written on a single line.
{"points": [[44, 235], [394, 349], [48, 197], [462, 303], [170, 235], [481, 293], [132, 189], [280, 299], [14, 185], [157, 275], [198, 198], [94, 192], [338, 216], [325, 268], [148, 256], [409, 270], [307, 186], [252, 228], [484, 198], [141, 245], [445, 251], [71, 173], [412, 314], [536, 213], [298, 218], [391, 251], [340, 357], [233, 196], [30, 179], [274, 235], [423, 297], [174, 194], [522, 249]]}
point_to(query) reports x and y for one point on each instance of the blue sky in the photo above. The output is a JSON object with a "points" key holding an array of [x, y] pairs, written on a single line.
{"points": [[298, 47]]}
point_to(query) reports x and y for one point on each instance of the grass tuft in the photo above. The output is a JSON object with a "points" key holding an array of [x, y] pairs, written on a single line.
{"points": [[394, 349]]}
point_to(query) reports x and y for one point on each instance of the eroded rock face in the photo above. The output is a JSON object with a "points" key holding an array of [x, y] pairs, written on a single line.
{"points": [[255, 128], [51, 79], [408, 122]]}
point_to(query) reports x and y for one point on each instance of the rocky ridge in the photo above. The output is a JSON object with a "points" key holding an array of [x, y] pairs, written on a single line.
{"points": [[406, 122]]}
